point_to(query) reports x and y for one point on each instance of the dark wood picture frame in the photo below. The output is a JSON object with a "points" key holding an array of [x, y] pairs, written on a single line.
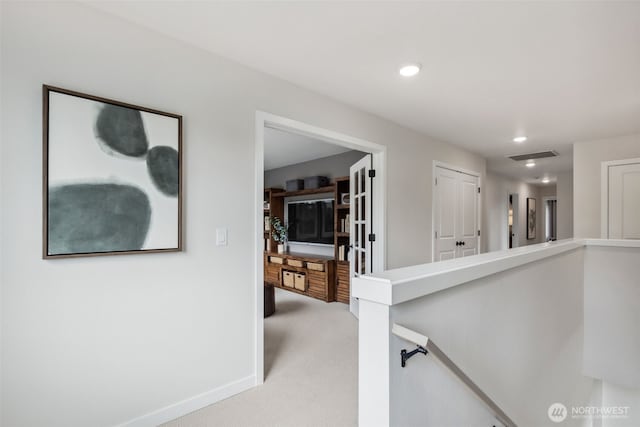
{"points": [[131, 205], [531, 218]]}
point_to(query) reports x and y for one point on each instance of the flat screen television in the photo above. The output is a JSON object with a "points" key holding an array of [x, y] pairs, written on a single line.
{"points": [[310, 221]]}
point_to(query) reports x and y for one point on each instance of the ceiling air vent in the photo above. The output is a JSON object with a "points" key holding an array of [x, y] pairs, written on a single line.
{"points": [[532, 156]]}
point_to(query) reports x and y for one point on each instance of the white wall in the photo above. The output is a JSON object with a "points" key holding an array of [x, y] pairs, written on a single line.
{"points": [[564, 189], [331, 167], [99, 341], [497, 190], [587, 159]]}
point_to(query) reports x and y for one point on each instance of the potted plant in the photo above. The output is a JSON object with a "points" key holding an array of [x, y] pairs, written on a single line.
{"points": [[279, 234]]}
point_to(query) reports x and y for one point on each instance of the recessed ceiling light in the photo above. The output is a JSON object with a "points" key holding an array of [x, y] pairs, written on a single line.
{"points": [[409, 70], [530, 163], [545, 180], [519, 139]]}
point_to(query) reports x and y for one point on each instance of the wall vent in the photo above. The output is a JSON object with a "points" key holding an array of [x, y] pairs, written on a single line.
{"points": [[532, 156]]}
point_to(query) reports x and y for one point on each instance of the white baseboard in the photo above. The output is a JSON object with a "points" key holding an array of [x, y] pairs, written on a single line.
{"points": [[191, 404]]}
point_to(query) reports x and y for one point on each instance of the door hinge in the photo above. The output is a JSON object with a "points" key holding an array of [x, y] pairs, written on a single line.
{"points": [[436, 234], [478, 190], [372, 173], [372, 237], [478, 232], [436, 181]]}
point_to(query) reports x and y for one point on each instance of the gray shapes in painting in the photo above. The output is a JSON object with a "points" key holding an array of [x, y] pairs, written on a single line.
{"points": [[122, 130], [87, 218], [162, 163]]}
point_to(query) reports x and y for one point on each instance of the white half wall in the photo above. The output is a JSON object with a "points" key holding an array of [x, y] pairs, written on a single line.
{"points": [[517, 334], [105, 340], [587, 159]]}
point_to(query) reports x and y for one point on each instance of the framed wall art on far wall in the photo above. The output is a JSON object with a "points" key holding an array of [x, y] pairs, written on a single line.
{"points": [[112, 177], [531, 218]]}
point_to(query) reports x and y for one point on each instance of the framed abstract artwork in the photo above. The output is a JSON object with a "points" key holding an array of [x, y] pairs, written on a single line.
{"points": [[112, 177], [531, 218]]}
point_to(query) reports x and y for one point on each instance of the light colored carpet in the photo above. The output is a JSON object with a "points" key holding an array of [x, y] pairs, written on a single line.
{"points": [[311, 369]]}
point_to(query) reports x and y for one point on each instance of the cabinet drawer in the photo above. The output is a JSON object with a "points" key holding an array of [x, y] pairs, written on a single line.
{"points": [[315, 266], [276, 260], [288, 279], [295, 263]]}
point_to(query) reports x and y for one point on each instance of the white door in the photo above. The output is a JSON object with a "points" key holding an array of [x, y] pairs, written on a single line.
{"points": [[360, 236], [455, 214], [624, 201]]}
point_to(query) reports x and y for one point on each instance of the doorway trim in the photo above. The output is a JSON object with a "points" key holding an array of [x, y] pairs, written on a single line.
{"points": [[436, 165], [604, 192], [379, 224]]}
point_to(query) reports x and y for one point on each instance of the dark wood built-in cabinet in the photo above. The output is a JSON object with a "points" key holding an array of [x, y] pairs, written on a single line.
{"points": [[310, 275], [324, 278]]}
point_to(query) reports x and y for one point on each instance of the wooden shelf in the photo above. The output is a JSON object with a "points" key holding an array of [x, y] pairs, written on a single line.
{"points": [[301, 256], [275, 209], [341, 211], [327, 189]]}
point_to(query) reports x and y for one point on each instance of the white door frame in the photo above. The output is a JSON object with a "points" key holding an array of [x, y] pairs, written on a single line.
{"points": [[436, 164], [604, 192], [379, 191]]}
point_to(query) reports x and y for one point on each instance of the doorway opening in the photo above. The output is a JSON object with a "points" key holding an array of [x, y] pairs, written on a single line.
{"points": [[512, 221], [550, 219], [307, 239]]}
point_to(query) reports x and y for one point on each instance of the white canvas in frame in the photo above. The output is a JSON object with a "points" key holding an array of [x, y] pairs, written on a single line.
{"points": [[114, 170]]}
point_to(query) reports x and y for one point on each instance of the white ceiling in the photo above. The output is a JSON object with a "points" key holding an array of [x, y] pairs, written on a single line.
{"points": [[544, 168], [283, 149], [558, 72]]}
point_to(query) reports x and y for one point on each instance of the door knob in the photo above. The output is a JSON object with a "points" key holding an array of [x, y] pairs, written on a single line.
{"points": [[462, 243]]}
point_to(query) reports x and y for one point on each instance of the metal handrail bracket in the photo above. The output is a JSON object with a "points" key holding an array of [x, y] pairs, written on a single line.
{"points": [[427, 344]]}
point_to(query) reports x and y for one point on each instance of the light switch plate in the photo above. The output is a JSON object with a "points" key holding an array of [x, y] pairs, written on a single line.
{"points": [[221, 237]]}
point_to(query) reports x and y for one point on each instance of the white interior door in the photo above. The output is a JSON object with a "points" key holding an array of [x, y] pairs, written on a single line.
{"points": [[624, 201], [468, 214], [446, 214], [455, 214], [360, 236]]}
